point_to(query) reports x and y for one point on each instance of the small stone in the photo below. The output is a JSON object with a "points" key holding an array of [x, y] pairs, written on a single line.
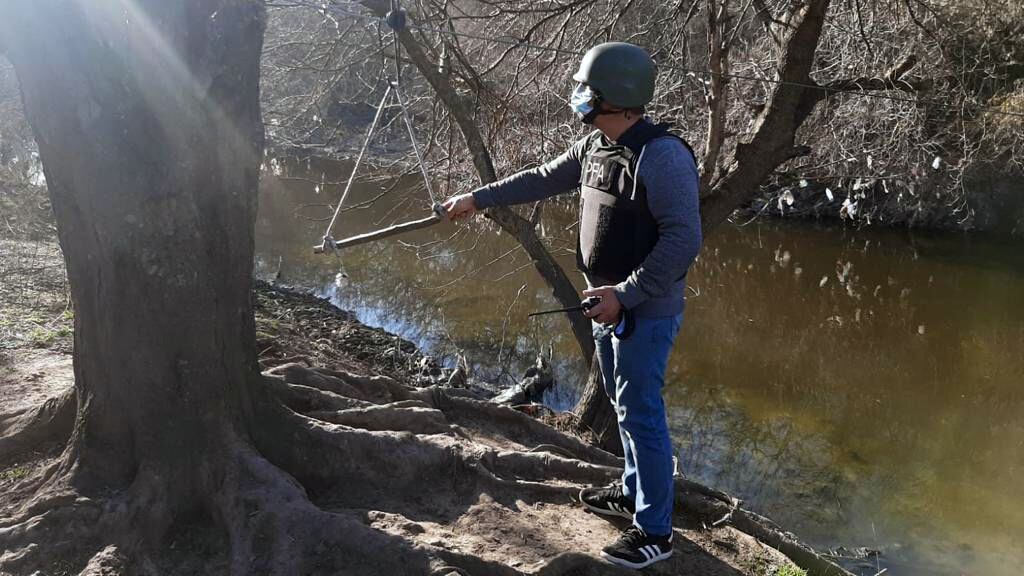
{"points": [[413, 528]]}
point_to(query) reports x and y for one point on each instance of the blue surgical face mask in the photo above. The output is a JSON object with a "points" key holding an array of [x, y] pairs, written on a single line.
{"points": [[582, 102]]}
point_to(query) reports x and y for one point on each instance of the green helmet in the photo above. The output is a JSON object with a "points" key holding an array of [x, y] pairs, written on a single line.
{"points": [[623, 74]]}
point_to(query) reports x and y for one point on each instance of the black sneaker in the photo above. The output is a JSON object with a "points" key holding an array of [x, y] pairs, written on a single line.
{"points": [[608, 500], [635, 549]]}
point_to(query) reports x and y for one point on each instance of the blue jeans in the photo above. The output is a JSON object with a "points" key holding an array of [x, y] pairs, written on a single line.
{"points": [[634, 374]]}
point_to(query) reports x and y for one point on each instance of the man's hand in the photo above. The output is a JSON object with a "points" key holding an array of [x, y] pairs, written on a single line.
{"points": [[461, 206], [609, 310]]}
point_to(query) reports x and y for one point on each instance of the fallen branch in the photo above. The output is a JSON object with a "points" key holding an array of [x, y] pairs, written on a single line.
{"points": [[698, 500]]}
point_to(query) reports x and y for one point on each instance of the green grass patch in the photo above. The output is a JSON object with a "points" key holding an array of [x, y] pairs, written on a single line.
{"points": [[16, 473], [790, 570], [41, 337]]}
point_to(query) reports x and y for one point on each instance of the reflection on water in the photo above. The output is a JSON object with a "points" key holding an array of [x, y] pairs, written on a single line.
{"points": [[862, 388]]}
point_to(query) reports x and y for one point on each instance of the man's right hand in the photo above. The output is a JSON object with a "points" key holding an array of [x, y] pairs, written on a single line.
{"points": [[461, 206]]}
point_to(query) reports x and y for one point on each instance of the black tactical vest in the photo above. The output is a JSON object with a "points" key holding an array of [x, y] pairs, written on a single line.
{"points": [[617, 231]]}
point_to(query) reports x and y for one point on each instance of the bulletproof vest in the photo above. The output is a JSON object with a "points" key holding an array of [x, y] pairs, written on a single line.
{"points": [[617, 230]]}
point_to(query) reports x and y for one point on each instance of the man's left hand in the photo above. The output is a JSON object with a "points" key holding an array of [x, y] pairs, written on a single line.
{"points": [[609, 310]]}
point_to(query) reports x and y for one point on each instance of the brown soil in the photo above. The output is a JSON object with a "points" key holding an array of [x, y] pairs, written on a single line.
{"points": [[520, 521], [295, 326], [29, 376]]}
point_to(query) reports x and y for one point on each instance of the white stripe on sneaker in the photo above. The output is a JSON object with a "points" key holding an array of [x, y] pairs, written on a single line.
{"points": [[645, 552], [653, 550]]}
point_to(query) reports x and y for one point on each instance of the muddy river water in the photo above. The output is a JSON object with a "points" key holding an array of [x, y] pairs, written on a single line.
{"points": [[863, 388]]}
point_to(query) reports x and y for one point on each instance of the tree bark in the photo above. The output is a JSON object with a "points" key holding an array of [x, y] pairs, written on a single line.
{"points": [[716, 95], [595, 413], [147, 118], [774, 134]]}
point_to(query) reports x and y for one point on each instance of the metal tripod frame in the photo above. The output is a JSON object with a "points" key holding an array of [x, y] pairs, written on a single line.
{"points": [[394, 89]]}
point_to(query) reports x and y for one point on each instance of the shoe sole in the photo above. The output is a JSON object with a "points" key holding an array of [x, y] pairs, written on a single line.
{"points": [[605, 511], [636, 566]]}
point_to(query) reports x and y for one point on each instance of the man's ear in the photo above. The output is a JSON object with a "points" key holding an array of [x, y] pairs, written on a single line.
{"points": [[634, 113], [606, 109]]}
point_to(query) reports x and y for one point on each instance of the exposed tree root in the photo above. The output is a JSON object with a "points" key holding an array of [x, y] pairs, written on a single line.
{"points": [[389, 417], [542, 475], [28, 429], [541, 467], [352, 442], [307, 399], [45, 500], [57, 529], [766, 531], [274, 529], [459, 409], [714, 507], [374, 389], [511, 423], [109, 560]]}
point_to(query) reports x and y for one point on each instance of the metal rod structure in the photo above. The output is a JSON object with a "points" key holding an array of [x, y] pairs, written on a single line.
{"points": [[359, 159], [415, 145], [395, 88], [383, 233]]}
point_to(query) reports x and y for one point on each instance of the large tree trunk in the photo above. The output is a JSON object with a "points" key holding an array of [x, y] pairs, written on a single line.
{"points": [[594, 412], [774, 135], [148, 124]]}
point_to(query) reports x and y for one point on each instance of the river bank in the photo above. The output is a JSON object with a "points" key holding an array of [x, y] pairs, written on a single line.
{"points": [[994, 208], [299, 329]]}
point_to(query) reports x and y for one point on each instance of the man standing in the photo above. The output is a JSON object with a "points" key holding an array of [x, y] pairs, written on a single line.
{"points": [[639, 232]]}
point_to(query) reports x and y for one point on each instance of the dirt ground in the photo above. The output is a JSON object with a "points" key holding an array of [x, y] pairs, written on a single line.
{"points": [[522, 535], [525, 533], [30, 376]]}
